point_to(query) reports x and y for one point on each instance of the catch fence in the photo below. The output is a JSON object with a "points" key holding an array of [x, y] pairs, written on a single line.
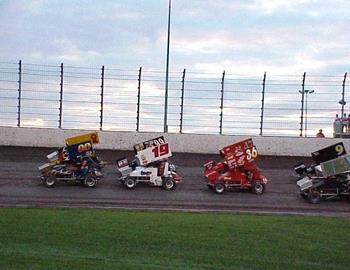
{"points": [[63, 96]]}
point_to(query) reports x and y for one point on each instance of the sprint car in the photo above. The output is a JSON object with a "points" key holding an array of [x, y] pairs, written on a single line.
{"points": [[236, 171], [328, 153], [150, 166], [331, 180], [76, 162]]}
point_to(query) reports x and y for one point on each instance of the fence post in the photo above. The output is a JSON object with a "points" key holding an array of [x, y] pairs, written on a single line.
{"points": [[222, 100], [61, 97], [342, 102], [19, 93], [262, 105], [138, 101], [182, 99], [102, 88], [302, 92]]}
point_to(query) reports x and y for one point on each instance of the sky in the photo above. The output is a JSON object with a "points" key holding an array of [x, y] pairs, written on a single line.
{"points": [[244, 38], [239, 36]]}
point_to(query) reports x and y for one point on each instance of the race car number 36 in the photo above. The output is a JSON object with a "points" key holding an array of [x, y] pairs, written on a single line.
{"points": [[251, 153]]}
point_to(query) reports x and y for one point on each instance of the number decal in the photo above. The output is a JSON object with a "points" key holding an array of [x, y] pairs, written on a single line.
{"points": [[248, 154], [161, 150], [122, 163], [339, 149], [84, 147], [254, 152], [94, 138], [158, 141], [251, 153]]}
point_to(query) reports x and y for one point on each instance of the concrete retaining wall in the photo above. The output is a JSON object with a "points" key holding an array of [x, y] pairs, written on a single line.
{"points": [[188, 143]]}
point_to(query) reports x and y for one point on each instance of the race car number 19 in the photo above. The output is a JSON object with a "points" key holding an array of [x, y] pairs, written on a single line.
{"points": [[161, 150]]}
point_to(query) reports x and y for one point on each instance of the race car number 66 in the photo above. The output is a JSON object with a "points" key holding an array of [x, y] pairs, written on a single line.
{"points": [[251, 153]]}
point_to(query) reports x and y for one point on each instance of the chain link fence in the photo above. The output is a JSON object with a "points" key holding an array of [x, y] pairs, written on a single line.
{"points": [[62, 96]]}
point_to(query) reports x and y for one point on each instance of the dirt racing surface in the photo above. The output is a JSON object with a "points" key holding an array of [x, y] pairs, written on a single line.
{"points": [[20, 186]]}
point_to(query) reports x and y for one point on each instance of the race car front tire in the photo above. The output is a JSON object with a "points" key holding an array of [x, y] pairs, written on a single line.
{"points": [[50, 181], [314, 197], [219, 188], [258, 188], [130, 183], [169, 184], [90, 181]]}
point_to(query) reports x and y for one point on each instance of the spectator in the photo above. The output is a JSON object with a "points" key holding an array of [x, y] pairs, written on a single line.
{"points": [[320, 134]]}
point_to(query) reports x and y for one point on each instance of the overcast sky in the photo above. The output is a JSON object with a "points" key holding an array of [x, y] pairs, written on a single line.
{"points": [[239, 36]]}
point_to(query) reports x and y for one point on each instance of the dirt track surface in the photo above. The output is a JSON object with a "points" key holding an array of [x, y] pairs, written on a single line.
{"points": [[20, 186]]}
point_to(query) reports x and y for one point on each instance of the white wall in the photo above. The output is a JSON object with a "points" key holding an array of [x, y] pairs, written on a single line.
{"points": [[189, 143]]}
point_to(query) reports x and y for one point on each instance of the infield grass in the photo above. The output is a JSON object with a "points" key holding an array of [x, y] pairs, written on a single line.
{"points": [[108, 239]]}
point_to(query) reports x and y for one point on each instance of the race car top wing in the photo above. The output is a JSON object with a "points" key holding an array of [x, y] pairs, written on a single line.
{"points": [[154, 153], [328, 153], [239, 153], [141, 146], [92, 137]]}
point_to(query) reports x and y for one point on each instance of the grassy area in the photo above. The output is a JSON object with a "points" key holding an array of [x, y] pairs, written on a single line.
{"points": [[96, 239]]}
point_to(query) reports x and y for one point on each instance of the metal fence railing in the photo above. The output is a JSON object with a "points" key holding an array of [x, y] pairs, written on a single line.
{"points": [[62, 96]]}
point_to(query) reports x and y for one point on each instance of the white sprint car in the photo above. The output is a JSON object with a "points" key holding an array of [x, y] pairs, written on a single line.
{"points": [[150, 166]]}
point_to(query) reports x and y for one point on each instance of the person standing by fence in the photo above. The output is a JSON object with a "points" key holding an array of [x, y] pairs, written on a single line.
{"points": [[320, 134]]}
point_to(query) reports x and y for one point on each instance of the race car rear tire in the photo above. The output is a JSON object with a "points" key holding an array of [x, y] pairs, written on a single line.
{"points": [[169, 184], [50, 181], [219, 188], [258, 188], [314, 197], [130, 183], [90, 181]]}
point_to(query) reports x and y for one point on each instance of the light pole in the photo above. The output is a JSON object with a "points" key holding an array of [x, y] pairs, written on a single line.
{"points": [[306, 92], [342, 101], [167, 75]]}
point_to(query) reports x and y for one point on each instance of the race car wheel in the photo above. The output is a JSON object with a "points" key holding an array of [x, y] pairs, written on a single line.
{"points": [[50, 181], [304, 196], [219, 188], [169, 184], [314, 196], [130, 183], [90, 181], [258, 188]]}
